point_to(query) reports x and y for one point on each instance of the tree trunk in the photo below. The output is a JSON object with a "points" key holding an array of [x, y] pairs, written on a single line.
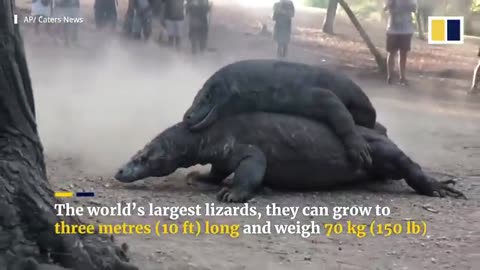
{"points": [[420, 23], [27, 216], [381, 62], [330, 17]]}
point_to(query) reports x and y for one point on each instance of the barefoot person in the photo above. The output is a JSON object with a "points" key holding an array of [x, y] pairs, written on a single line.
{"points": [[399, 35], [283, 12]]}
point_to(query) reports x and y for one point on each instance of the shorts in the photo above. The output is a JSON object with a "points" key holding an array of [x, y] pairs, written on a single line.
{"points": [[399, 42], [174, 28]]}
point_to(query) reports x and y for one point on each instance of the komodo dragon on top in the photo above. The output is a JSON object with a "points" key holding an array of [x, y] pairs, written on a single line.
{"points": [[290, 88], [276, 150]]}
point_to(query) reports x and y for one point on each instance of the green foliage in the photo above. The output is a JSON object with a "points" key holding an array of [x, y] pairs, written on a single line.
{"points": [[456, 7], [476, 6], [317, 3], [372, 10], [364, 9]]}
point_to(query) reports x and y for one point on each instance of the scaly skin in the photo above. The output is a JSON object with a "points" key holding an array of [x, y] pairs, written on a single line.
{"points": [[291, 88], [301, 154]]}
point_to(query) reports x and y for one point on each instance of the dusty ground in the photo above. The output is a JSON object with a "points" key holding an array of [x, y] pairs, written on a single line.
{"points": [[101, 101]]}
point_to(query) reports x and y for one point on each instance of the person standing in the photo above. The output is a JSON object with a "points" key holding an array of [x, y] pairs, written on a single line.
{"points": [[173, 15], [142, 19], [399, 35], [68, 9], [105, 13], [138, 19], [197, 11], [41, 8], [283, 12]]}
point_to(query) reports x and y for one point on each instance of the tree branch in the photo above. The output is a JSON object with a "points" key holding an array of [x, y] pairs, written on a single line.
{"points": [[379, 59]]}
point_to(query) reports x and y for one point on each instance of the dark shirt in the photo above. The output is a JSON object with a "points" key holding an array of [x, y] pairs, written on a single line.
{"points": [[142, 4], [197, 11], [174, 10], [283, 13], [68, 3], [105, 4]]}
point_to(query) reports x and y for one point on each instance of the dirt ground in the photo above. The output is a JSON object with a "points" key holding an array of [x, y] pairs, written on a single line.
{"points": [[102, 100]]}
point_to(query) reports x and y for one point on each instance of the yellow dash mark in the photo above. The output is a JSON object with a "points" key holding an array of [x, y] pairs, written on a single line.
{"points": [[438, 30], [63, 194]]}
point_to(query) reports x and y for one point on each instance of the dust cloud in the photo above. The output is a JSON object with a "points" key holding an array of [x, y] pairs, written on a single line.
{"points": [[255, 3], [102, 105]]}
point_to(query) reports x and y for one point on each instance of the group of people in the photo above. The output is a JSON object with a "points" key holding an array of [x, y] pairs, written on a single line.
{"points": [[42, 9], [138, 19], [172, 15]]}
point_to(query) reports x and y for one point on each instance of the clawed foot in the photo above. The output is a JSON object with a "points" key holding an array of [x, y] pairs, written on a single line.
{"points": [[358, 152], [232, 195], [442, 189]]}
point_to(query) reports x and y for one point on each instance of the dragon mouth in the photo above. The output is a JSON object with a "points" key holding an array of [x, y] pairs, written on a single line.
{"points": [[208, 119]]}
